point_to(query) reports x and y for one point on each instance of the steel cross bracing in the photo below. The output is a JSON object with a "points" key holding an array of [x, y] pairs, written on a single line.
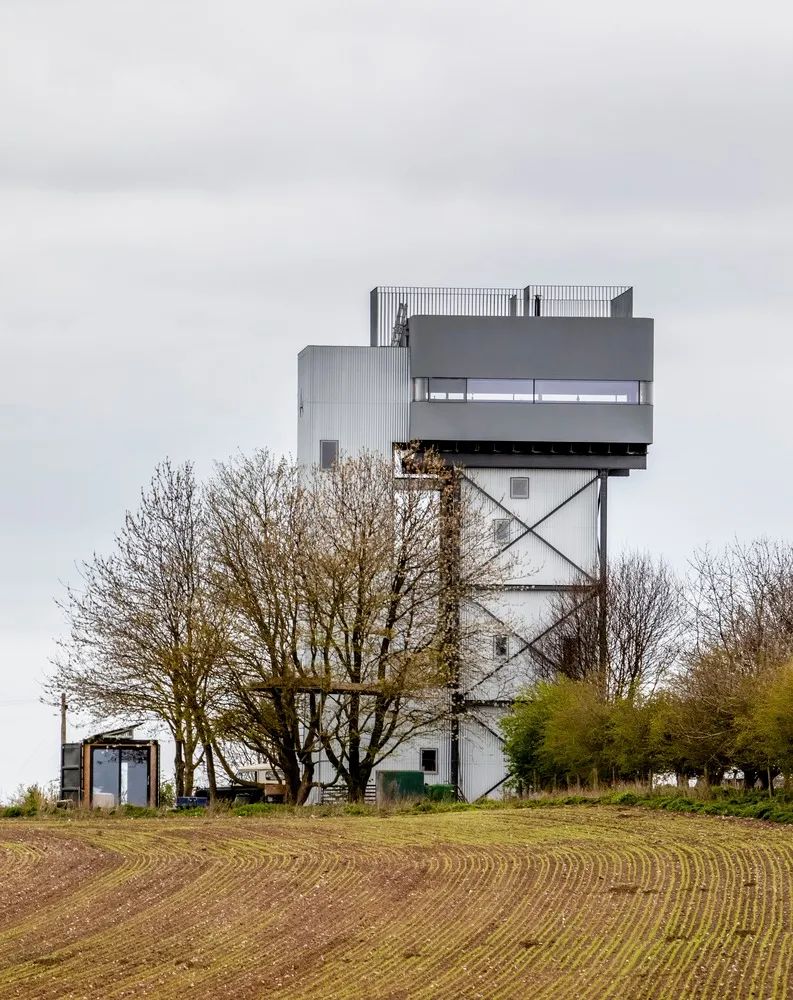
{"points": [[530, 529], [530, 645], [468, 704]]}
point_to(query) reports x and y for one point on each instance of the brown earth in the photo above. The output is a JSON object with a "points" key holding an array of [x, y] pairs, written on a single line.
{"points": [[541, 903]]}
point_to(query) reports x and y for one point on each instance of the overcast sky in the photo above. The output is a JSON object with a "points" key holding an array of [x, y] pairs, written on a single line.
{"points": [[192, 192]]}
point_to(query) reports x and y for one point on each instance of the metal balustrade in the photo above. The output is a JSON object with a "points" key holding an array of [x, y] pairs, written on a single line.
{"points": [[391, 306]]}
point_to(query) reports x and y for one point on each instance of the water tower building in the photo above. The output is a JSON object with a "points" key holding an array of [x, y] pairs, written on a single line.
{"points": [[542, 395]]}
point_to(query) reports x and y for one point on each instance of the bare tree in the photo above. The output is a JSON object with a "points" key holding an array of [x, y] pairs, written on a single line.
{"points": [[260, 512], [394, 559], [342, 590], [741, 604], [143, 640], [645, 618]]}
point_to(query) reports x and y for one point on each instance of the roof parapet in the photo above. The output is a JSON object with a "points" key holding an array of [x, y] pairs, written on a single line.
{"points": [[392, 305]]}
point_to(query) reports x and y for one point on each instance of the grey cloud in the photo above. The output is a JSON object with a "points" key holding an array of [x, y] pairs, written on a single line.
{"points": [[580, 104]]}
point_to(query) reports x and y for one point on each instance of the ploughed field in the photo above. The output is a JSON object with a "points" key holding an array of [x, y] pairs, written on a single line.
{"points": [[544, 902]]}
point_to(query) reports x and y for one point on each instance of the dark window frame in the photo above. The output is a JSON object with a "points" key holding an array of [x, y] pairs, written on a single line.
{"points": [[428, 770], [519, 479], [139, 752]]}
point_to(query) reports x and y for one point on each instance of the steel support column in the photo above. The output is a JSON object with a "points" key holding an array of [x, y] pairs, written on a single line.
{"points": [[603, 581], [450, 509]]}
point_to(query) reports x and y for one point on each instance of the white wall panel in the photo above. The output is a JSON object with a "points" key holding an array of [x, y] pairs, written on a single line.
{"points": [[481, 755], [407, 756], [524, 614], [547, 488], [357, 396], [572, 528]]}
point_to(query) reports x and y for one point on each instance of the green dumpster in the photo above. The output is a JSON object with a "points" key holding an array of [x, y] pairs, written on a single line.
{"points": [[440, 793], [393, 785]]}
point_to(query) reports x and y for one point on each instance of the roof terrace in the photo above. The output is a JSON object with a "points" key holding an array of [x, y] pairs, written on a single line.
{"points": [[391, 306]]}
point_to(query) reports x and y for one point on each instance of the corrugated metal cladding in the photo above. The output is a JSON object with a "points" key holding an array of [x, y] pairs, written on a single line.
{"points": [[407, 756], [524, 615], [358, 396], [481, 755], [499, 681], [571, 528], [516, 615]]}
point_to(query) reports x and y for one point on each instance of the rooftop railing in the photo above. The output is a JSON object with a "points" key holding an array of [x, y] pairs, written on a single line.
{"points": [[391, 306]]}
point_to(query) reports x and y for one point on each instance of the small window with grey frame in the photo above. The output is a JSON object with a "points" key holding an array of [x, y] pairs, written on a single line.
{"points": [[500, 647], [328, 454], [501, 530], [519, 487]]}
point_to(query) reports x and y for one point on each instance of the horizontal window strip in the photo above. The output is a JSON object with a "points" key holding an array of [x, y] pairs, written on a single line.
{"points": [[541, 390]]}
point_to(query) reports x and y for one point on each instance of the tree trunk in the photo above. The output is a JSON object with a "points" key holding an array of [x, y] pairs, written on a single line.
{"points": [[713, 774], [178, 768], [304, 790], [354, 748], [290, 770], [356, 792], [306, 779], [209, 759]]}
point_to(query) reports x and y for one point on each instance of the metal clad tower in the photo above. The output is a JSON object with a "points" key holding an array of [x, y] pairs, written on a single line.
{"points": [[541, 395]]}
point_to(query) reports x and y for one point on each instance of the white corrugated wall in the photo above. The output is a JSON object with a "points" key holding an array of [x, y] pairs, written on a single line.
{"points": [[358, 396], [572, 529], [565, 501], [407, 756], [481, 755]]}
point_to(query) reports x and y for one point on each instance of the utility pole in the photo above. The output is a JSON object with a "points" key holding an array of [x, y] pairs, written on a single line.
{"points": [[64, 706]]}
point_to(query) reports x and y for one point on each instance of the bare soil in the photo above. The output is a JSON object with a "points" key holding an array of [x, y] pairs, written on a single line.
{"points": [[542, 903]]}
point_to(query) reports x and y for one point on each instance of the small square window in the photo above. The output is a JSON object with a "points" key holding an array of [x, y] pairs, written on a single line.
{"points": [[429, 761], [500, 647], [519, 487], [328, 454], [501, 530]]}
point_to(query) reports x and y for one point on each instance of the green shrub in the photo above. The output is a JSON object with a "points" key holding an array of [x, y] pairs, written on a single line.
{"points": [[139, 812], [30, 800], [625, 799], [167, 795], [254, 809]]}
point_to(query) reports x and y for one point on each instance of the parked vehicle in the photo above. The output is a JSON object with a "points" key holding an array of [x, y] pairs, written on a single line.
{"points": [[268, 788]]}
